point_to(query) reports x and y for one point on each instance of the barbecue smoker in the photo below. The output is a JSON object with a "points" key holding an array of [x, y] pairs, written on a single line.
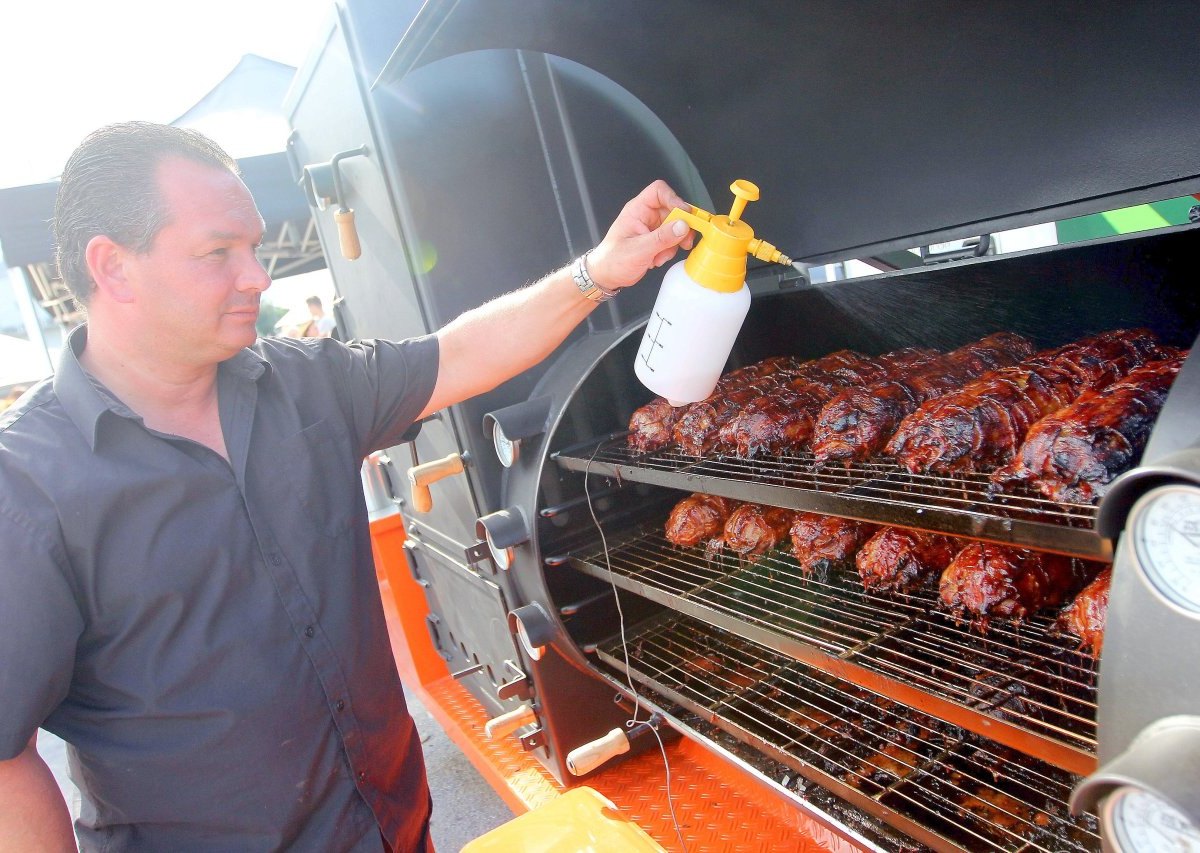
{"points": [[470, 146]]}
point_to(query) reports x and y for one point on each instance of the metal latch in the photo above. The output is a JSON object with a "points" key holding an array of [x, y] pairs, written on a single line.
{"points": [[972, 247], [514, 688]]}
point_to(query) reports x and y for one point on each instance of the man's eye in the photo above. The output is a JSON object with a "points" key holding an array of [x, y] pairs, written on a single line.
{"points": [[219, 252]]}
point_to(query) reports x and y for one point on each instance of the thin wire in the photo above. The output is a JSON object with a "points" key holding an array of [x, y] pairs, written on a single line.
{"points": [[587, 492], [587, 473]]}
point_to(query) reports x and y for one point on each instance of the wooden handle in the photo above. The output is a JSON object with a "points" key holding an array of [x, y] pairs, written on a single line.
{"points": [[421, 476], [508, 723], [347, 233], [588, 757]]}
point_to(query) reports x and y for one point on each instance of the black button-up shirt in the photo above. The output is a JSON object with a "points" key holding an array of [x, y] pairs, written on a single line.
{"points": [[207, 635]]}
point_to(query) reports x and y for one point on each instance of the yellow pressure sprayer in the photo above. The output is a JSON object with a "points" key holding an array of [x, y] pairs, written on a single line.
{"points": [[702, 303]]}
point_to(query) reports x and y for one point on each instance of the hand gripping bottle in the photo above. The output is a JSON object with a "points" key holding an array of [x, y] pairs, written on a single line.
{"points": [[702, 303]]}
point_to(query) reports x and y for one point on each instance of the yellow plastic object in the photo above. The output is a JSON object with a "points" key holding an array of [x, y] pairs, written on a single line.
{"points": [[579, 821], [718, 261]]}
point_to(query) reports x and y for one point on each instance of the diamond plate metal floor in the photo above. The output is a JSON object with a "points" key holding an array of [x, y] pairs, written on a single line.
{"points": [[720, 809]]}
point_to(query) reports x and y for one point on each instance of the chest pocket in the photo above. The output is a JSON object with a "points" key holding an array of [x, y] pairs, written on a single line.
{"points": [[326, 484]]}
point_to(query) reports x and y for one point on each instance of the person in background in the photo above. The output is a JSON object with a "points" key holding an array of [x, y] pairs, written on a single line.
{"points": [[187, 591], [316, 326], [320, 326]]}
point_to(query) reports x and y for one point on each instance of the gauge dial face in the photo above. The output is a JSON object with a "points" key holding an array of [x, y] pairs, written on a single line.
{"points": [[1140, 822], [502, 557], [1166, 539], [506, 450]]}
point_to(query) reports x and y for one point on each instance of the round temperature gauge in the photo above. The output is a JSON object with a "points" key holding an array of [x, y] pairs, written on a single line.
{"points": [[1165, 526], [1140, 822]]}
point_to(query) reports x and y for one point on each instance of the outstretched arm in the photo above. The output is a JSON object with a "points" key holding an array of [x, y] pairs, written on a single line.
{"points": [[494, 342], [33, 813]]}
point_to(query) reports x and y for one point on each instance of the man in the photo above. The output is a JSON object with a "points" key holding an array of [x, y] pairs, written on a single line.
{"points": [[316, 326], [320, 326], [187, 593]]}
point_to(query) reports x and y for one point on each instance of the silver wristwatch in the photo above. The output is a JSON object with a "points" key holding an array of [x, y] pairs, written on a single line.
{"points": [[583, 280]]}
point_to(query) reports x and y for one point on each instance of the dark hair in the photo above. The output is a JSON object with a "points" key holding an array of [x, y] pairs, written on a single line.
{"points": [[110, 186], [314, 300]]}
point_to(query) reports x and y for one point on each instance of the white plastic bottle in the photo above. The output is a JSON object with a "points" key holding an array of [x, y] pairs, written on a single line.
{"points": [[702, 303]]}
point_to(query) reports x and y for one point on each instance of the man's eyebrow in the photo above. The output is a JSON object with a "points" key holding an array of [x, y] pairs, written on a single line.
{"points": [[233, 235]]}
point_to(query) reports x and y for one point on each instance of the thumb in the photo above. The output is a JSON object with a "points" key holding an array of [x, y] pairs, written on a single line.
{"points": [[668, 235]]}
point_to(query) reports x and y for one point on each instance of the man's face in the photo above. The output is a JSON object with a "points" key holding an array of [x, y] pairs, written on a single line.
{"points": [[198, 286]]}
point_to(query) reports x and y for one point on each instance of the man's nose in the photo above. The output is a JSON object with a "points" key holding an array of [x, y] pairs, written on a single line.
{"points": [[253, 276]]}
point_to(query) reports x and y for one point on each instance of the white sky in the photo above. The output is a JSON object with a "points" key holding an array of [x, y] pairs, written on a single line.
{"points": [[70, 66]]}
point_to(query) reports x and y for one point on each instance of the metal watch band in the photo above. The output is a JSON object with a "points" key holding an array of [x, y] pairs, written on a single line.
{"points": [[583, 280]]}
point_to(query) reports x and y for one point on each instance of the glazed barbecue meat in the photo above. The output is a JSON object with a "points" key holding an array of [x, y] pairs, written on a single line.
{"points": [[696, 431], [653, 425], [699, 519], [784, 418], [987, 580], [1085, 617], [857, 423], [752, 529], [1073, 454], [982, 425], [897, 559], [822, 540]]}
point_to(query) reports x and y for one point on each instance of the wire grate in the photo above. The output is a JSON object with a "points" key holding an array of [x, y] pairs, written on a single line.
{"points": [[1022, 685], [877, 490], [944, 787]]}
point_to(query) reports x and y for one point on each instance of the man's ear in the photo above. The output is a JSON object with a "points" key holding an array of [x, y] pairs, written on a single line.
{"points": [[107, 262]]}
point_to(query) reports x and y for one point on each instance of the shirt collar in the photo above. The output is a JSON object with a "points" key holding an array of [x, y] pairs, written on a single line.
{"points": [[86, 400]]}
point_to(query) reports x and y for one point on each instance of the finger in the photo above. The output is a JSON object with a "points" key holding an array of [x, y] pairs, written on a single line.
{"points": [[659, 196], [664, 256]]}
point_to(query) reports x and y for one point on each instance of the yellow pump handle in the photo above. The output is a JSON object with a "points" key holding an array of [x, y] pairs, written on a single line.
{"points": [[718, 261]]}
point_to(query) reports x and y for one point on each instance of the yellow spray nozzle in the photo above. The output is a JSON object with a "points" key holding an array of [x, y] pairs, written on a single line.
{"points": [[743, 193], [718, 261]]}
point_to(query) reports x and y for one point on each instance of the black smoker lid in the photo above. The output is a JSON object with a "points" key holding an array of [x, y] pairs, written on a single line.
{"points": [[876, 125]]}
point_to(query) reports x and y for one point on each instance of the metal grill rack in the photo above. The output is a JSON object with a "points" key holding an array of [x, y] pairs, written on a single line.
{"points": [[1022, 686], [929, 779], [878, 490]]}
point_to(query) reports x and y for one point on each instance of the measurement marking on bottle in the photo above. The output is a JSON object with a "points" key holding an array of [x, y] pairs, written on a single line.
{"points": [[653, 341]]}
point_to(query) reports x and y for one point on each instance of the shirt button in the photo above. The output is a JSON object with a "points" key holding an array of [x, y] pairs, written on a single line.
{"points": [[309, 631], [362, 775], [341, 705]]}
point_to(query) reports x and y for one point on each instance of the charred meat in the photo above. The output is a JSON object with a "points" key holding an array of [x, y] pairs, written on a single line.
{"points": [[1086, 615], [699, 519], [822, 540], [653, 425], [783, 419], [696, 431], [897, 559], [857, 423], [1073, 454], [986, 580], [982, 425], [752, 529]]}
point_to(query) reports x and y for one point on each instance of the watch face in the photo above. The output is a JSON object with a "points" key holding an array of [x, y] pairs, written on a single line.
{"points": [[1166, 539], [1140, 822]]}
